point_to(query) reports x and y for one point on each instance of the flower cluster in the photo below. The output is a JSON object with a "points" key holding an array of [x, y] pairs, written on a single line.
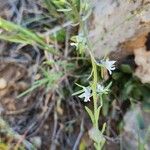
{"points": [[86, 92]]}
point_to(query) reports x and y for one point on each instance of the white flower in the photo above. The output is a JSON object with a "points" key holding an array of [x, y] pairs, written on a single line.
{"points": [[101, 89], [86, 94], [109, 65]]}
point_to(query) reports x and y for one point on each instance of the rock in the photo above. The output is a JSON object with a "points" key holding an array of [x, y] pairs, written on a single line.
{"points": [[137, 125], [115, 21], [138, 48], [142, 60], [3, 83]]}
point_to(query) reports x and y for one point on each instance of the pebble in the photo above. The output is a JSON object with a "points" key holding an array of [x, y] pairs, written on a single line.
{"points": [[3, 83], [37, 141]]}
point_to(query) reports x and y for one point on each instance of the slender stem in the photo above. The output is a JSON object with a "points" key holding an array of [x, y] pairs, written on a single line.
{"points": [[94, 70], [94, 86], [101, 99], [95, 79]]}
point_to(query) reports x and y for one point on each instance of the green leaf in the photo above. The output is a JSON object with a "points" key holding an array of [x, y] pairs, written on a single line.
{"points": [[90, 114], [116, 75], [78, 92], [126, 68], [104, 127], [59, 36], [96, 135], [35, 85], [97, 113], [105, 108], [108, 86]]}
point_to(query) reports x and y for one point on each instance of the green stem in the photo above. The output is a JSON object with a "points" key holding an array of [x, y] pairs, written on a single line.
{"points": [[94, 86], [101, 99]]}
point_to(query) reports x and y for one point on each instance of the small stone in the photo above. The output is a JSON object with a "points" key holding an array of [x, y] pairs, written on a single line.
{"points": [[37, 76], [46, 127], [3, 83], [136, 127], [37, 141]]}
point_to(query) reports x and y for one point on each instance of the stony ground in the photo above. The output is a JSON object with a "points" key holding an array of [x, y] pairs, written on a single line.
{"points": [[52, 120]]}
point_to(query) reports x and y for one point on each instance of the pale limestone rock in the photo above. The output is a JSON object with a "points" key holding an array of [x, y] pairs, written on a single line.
{"points": [[3, 83], [142, 60], [115, 21], [136, 126]]}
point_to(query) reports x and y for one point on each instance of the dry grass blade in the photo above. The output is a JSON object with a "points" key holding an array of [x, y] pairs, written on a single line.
{"points": [[15, 33]]}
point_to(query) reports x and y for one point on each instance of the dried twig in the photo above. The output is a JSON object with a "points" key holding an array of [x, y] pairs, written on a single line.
{"points": [[75, 147]]}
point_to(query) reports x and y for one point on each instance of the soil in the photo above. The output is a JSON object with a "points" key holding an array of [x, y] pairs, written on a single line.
{"points": [[43, 118]]}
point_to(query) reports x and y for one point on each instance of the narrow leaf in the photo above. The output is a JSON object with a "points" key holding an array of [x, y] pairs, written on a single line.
{"points": [[90, 114]]}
